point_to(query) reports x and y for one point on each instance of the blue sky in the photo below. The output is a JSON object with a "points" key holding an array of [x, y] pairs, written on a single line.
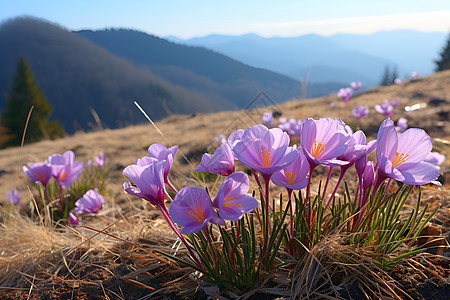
{"points": [[191, 18]]}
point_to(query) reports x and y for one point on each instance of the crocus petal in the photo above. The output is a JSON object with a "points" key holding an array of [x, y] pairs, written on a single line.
{"points": [[416, 143], [420, 173]]}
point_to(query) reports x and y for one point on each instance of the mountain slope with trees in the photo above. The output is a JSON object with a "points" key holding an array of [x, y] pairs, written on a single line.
{"points": [[81, 79]]}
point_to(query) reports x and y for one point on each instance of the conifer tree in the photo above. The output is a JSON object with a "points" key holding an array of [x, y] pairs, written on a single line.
{"points": [[24, 94], [386, 78], [444, 62]]}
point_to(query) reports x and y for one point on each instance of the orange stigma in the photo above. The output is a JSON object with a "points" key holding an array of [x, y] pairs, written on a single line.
{"points": [[198, 214], [399, 159], [228, 199], [63, 175], [317, 149], [291, 177], [265, 155]]}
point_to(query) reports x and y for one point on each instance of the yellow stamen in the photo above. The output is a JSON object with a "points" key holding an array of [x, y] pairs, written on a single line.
{"points": [[228, 199], [265, 155], [291, 177], [399, 159], [198, 214], [317, 149]]}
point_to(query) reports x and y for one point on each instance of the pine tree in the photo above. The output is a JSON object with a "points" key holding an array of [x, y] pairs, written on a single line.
{"points": [[444, 62], [394, 75], [24, 94], [386, 78]]}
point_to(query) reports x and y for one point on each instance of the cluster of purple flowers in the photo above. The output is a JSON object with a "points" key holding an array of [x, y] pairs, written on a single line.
{"points": [[65, 171], [62, 167], [268, 153], [347, 93], [291, 127]]}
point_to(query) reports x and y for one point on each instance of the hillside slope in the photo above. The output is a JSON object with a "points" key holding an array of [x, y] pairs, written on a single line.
{"points": [[79, 76], [194, 134]]}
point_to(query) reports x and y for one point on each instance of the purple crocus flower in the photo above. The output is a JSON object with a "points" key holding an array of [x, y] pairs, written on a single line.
{"points": [[100, 159], [360, 112], [90, 203], [414, 74], [39, 172], [160, 152], [292, 127], [435, 158], [14, 197], [192, 209], [356, 85], [368, 177], [149, 181], [264, 150], [73, 219], [221, 162], [323, 140], [295, 175], [395, 102], [232, 199], [345, 93], [385, 108], [267, 119], [398, 81], [402, 158], [356, 147], [402, 124], [64, 168]]}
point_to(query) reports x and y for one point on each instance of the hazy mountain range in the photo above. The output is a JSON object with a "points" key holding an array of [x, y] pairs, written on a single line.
{"points": [[102, 72], [341, 57]]}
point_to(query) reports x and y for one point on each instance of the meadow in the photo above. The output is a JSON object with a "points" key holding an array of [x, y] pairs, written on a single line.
{"points": [[127, 250]]}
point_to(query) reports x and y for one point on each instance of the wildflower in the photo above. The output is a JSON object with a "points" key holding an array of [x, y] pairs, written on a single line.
{"points": [[14, 197], [395, 102], [360, 112], [235, 137], [100, 159], [398, 81], [356, 85], [435, 158], [192, 209], [324, 140], [64, 168], [264, 150], [90, 163], [39, 172], [149, 181], [232, 199], [385, 108], [267, 119], [402, 158], [356, 146], [90, 203], [73, 219], [292, 127], [345, 93], [402, 124], [295, 175], [414, 74], [160, 152], [221, 162]]}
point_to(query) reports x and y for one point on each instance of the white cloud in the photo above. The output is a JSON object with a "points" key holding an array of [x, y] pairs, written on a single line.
{"points": [[427, 21]]}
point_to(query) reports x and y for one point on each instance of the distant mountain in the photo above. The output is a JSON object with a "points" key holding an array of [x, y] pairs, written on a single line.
{"points": [[215, 75], [343, 57], [81, 78], [296, 56], [410, 50]]}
